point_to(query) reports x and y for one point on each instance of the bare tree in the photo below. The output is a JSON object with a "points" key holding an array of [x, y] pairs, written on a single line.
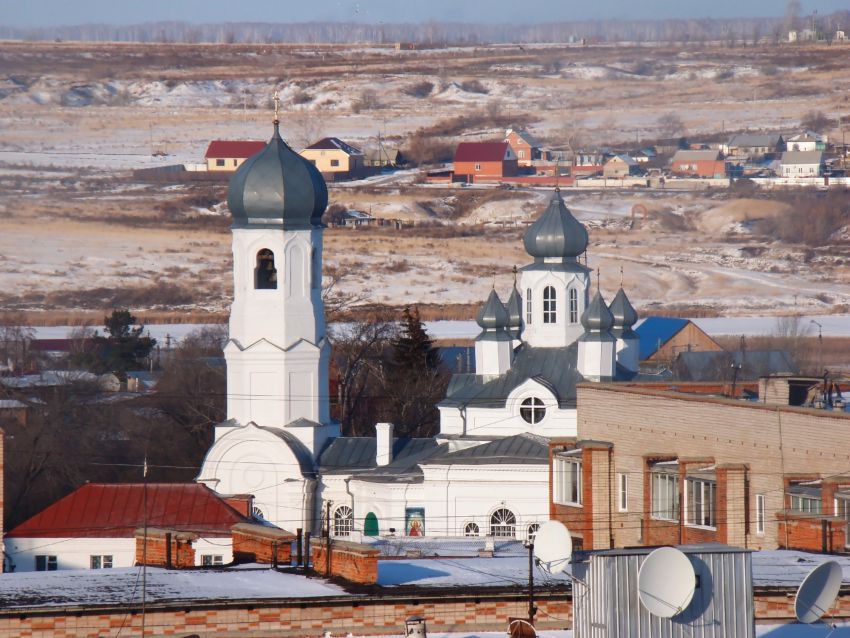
{"points": [[15, 337], [670, 125]]}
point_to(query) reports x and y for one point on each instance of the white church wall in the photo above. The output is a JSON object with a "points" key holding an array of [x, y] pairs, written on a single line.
{"points": [[563, 331], [596, 359], [221, 547]]}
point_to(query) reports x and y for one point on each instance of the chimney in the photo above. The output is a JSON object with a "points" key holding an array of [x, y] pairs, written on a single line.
{"points": [[384, 451]]}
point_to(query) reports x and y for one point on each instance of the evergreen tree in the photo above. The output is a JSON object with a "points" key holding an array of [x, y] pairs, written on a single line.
{"points": [[414, 380], [122, 349]]}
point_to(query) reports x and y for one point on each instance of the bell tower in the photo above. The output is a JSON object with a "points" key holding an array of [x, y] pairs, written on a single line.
{"points": [[278, 353]]}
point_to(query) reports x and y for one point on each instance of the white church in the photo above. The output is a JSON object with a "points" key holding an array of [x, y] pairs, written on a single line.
{"points": [[486, 472]]}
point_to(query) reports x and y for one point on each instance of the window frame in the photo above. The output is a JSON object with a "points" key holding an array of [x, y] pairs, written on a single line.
{"points": [[334, 163], [469, 527], [100, 561], [343, 521], [529, 307], [760, 511], [212, 560], [50, 563], [550, 305], [670, 511], [503, 526], [573, 305], [567, 482], [701, 495], [220, 162], [622, 492], [533, 410], [804, 504]]}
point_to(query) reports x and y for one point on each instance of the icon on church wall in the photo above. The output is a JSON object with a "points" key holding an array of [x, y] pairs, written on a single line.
{"points": [[414, 521]]}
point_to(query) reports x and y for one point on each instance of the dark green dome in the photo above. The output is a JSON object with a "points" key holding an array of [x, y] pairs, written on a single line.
{"points": [[596, 317], [493, 315], [556, 233], [277, 188]]}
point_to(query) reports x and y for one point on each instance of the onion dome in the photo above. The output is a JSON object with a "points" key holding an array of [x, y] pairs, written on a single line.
{"points": [[556, 233], [277, 188], [596, 317], [514, 308], [624, 313], [493, 315]]}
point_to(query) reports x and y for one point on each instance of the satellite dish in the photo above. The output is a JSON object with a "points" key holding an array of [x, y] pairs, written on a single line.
{"points": [[666, 582], [553, 547], [818, 591]]}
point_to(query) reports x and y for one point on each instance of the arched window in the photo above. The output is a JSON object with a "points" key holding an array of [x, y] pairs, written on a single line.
{"points": [[549, 304], [573, 305], [471, 529], [316, 270], [532, 410], [343, 521], [531, 532], [265, 274], [528, 306], [256, 512], [370, 525], [503, 523]]}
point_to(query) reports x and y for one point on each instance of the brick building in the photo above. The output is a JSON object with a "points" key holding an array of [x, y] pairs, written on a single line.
{"points": [[655, 466], [484, 160], [524, 146], [704, 163]]}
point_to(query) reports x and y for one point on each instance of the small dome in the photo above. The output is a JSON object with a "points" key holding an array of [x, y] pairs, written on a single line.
{"points": [[556, 233], [493, 315], [596, 317], [277, 188], [624, 313], [514, 308]]}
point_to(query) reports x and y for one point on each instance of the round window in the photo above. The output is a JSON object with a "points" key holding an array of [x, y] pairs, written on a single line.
{"points": [[532, 410]]}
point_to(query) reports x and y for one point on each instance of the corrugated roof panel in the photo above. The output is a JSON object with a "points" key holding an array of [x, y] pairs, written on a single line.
{"points": [[654, 332], [233, 149]]}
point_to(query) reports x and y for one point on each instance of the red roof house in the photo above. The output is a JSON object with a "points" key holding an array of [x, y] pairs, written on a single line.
{"points": [[487, 161], [95, 526], [226, 155]]}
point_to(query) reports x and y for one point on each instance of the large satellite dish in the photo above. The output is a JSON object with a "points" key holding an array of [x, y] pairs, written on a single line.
{"points": [[666, 582], [553, 547], [818, 591]]}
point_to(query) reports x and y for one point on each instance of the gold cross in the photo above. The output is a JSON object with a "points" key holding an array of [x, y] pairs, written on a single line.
{"points": [[276, 107]]}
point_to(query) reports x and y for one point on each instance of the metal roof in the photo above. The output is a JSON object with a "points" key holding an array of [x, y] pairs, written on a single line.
{"points": [[654, 332], [355, 453], [277, 188], [237, 149], [717, 366], [623, 312], [334, 144], [482, 152], [103, 510], [555, 368], [493, 315], [696, 156], [520, 449], [556, 233], [596, 317], [745, 140], [802, 157]]}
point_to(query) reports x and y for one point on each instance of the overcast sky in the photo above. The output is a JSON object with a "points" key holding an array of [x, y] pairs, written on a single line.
{"points": [[34, 13]]}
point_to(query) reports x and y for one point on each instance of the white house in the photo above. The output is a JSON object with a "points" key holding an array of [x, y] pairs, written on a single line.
{"points": [[486, 472], [94, 526], [795, 164], [807, 141]]}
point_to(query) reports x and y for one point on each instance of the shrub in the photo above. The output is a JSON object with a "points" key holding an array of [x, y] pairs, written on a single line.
{"points": [[420, 89]]}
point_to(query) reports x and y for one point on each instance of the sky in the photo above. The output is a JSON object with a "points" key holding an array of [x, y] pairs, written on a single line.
{"points": [[41, 13]]}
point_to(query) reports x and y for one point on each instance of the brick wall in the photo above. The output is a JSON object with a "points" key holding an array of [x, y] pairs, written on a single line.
{"points": [[354, 562], [812, 532], [156, 554], [764, 443], [259, 544]]}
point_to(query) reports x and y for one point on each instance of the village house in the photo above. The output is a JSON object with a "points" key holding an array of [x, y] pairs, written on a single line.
{"points": [[662, 339], [656, 465], [95, 526], [703, 163], [751, 146], [335, 159], [807, 141], [228, 155], [475, 161], [619, 167], [796, 164], [384, 157], [524, 146]]}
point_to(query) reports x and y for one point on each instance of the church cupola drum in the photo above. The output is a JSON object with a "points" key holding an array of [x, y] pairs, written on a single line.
{"points": [[277, 355]]}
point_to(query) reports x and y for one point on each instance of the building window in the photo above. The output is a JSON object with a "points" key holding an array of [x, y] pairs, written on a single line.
{"points": [[573, 305], [219, 162], [623, 492], [521, 154], [760, 514], [334, 163], [45, 563], [528, 306], [806, 504], [531, 532], [842, 510], [236, 162], [343, 521], [265, 274], [503, 523], [701, 502], [256, 512], [478, 167], [211, 560], [567, 481], [471, 529], [103, 561], [549, 304], [665, 496], [532, 410]]}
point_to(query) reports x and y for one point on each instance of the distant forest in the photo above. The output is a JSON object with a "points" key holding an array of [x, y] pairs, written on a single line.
{"points": [[727, 31]]}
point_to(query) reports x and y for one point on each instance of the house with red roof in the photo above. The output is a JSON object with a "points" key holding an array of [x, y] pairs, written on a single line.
{"points": [[487, 161], [96, 526], [227, 155]]}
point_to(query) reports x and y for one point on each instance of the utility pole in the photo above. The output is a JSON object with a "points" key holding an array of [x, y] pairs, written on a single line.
{"points": [[531, 608], [820, 345], [145, 536], [328, 538]]}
